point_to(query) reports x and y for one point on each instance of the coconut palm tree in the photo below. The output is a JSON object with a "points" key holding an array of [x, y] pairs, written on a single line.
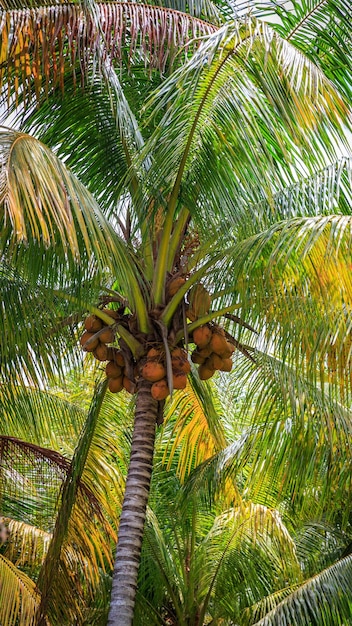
{"points": [[175, 222]]}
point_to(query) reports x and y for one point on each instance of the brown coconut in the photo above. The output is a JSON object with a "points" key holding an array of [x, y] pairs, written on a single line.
{"points": [[226, 365], [205, 352], [218, 343], [202, 336], [107, 336], [174, 285], [92, 324], [153, 371], [116, 384], [191, 314], [228, 351], [160, 390], [179, 380], [197, 358], [129, 385], [101, 352], [112, 370], [205, 372], [92, 346], [214, 361], [199, 300], [116, 355], [153, 353], [179, 361], [184, 366]]}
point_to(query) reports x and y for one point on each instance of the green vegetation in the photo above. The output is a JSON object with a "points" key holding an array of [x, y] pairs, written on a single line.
{"points": [[173, 188]]}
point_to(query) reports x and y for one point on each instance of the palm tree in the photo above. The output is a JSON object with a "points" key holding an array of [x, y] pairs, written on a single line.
{"points": [[189, 225]]}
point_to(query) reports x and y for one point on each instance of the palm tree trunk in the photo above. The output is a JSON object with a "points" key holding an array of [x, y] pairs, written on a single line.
{"points": [[124, 585]]}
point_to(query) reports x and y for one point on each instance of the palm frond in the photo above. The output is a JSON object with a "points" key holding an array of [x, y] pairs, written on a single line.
{"points": [[46, 208], [323, 599], [19, 599], [290, 438], [27, 545], [321, 30], [193, 429], [40, 417], [246, 92], [38, 45], [51, 599]]}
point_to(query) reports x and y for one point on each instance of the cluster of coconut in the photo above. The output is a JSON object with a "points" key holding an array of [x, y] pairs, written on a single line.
{"points": [[154, 370], [213, 351], [95, 339]]}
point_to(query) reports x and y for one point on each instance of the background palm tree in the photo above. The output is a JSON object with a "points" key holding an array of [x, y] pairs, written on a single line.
{"points": [[224, 134]]}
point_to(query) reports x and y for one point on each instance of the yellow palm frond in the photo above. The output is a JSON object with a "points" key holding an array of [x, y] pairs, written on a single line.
{"points": [[19, 599], [197, 432], [38, 45]]}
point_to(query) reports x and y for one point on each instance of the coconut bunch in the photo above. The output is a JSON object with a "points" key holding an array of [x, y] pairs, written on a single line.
{"points": [[97, 335], [213, 351], [95, 339], [153, 369]]}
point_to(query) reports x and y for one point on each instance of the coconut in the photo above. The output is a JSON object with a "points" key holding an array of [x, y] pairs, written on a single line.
{"points": [[191, 314], [160, 390], [179, 360], [153, 371], [116, 355], [101, 352], [218, 344], [178, 353], [202, 336], [174, 285], [107, 336], [116, 384], [129, 385], [153, 353], [112, 370], [184, 366], [214, 361], [92, 324], [226, 365], [199, 300], [197, 358], [179, 380], [205, 372], [205, 352], [92, 346], [228, 351]]}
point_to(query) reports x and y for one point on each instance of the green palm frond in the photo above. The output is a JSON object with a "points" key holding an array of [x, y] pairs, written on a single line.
{"points": [[81, 128], [198, 557], [250, 93], [323, 599], [291, 444], [46, 208], [38, 328], [43, 202], [321, 29], [19, 599], [54, 570], [40, 417]]}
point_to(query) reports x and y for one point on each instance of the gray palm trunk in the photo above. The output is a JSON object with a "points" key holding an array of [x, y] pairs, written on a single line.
{"points": [[124, 585]]}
